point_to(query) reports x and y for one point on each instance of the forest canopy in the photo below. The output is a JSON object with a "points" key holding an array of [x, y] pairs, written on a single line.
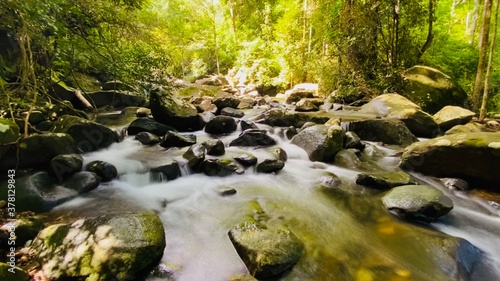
{"points": [[342, 45]]}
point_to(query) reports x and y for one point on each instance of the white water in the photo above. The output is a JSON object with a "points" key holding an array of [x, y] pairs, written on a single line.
{"points": [[197, 218]]}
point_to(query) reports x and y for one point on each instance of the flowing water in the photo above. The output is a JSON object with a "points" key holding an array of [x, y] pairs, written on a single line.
{"points": [[347, 233]]}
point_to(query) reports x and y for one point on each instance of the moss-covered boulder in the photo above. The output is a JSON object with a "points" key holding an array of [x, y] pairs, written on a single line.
{"points": [[13, 273], [321, 142], [470, 156], [170, 110], [432, 89], [417, 202], [267, 253], [474, 127], [110, 247], [450, 116], [282, 118], [388, 131], [36, 151], [396, 106], [88, 135]]}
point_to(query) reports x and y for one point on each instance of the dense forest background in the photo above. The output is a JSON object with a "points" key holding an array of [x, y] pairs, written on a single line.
{"points": [[344, 45]]}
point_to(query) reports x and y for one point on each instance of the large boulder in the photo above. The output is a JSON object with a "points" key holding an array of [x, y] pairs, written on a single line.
{"points": [[450, 116], [36, 151], [111, 247], [148, 125], [432, 89], [388, 131], [417, 202], [173, 111], [88, 135], [104, 170], [267, 253], [116, 99], [83, 82], [396, 106], [470, 156], [320, 142]]}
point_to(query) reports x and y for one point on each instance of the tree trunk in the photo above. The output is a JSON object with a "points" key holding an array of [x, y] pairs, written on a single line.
{"points": [[430, 34], [482, 112], [475, 16], [483, 50], [233, 20]]}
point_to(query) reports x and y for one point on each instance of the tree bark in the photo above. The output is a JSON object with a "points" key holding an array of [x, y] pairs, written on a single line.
{"points": [[475, 15], [430, 34], [482, 112], [483, 50]]}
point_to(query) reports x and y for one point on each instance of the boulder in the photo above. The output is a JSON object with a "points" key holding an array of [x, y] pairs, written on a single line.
{"points": [[474, 127], [206, 105], [246, 103], [148, 125], [89, 136], [388, 131], [270, 166], [54, 111], [246, 159], [214, 147], [297, 95], [352, 140], [450, 116], [221, 125], [278, 153], [320, 142], [417, 202], [242, 277], [432, 89], [267, 253], [168, 171], [306, 105], [111, 247], [27, 227], [143, 112], [224, 102], [229, 111], [117, 86], [174, 139], [396, 106], [329, 180], [83, 82], [36, 151], [19, 274], [147, 138], [253, 138], [282, 118], [195, 155], [104, 170], [219, 167], [115, 99], [9, 134], [63, 166], [348, 158], [245, 125], [470, 156], [384, 180], [175, 112]]}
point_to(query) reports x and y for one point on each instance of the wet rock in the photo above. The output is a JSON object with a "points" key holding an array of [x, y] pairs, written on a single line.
{"points": [[226, 191], [174, 139], [417, 202], [282, 118], [455, 184], [432, 90], [298, 95], [206, 105], [82, 182], [219, 167], [320, 142], [195, 156], [471, 127], [169, 171], [245, 125], [110, 247], [65, 108], [224, 102], [270, 166], [18, 275], [253, 138], [36, 151], [148, 125], [278, 153], [27, 227], [104, 170], [63, 166], [246, 159], [89, 136], [9, 133], [384, 180], [347, 158], [330, 180], [221, 125], [147, 138], [450, 116], [394, 106], [214, 147], [173, 111], [473, 157], [388, 131], [352, 140], [306, 105], [291, 132], [266, 253], [116, 98], [229, 111]]}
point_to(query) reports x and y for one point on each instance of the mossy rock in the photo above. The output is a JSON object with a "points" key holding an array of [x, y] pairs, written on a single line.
{"points": [[384, 180], [110, 247], [320, 142], [18, 275], [9, 131], [282, 118], [83, 82], [431, 89], [450, 116], [388, 131]]}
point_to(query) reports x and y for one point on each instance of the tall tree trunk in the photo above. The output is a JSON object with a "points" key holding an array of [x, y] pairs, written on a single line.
{"points": [[475, 16], [483, 50], [482, 112], [430, 34], [233, 20]]}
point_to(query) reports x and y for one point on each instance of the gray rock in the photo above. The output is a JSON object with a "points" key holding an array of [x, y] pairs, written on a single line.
{"points": [[246, 159], [219, 167], [455, 184], [116, 98], [221, 125], [148, 125], [270, 166], [169, 171], [110, 247], [174, 139], [330, 180], [450, 116], [195, 156], [104, 170], [348, 158], [147, 138], [63, 166], [352, 140], [214, 147], [384, 180], [306, 105], [296, 96], [224, 102], [388, 131], [229, 111], [267, 253], [253, 138], [283, 118], [320, 142], [417, 202]]}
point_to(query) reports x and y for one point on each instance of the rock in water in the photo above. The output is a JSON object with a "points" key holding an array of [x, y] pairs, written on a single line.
{"points": [[148, 125], [417, 202], [111, 247], [221, 125], [65, 165], [270, 166], [388, 131], [450, 116], [384, 180], [253, 138], [320, 142], [106, 171], [266, 253], [174, 139], [473, 157]]}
